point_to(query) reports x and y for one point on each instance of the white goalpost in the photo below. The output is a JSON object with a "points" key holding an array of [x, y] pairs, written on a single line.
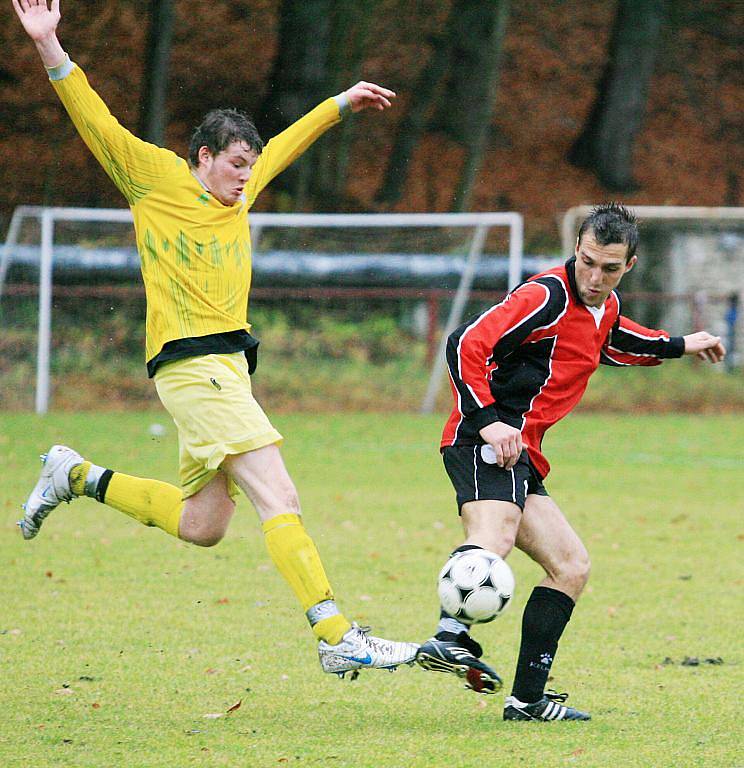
{"points": [[463, 248]]}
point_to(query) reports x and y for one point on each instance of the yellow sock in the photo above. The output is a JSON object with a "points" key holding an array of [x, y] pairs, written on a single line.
{"points": [[77, 478], [152, 502], [297, 559]]}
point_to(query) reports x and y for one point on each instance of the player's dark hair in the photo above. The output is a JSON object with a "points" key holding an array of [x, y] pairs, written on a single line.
{"points": [[219, 129], [612, 223]]}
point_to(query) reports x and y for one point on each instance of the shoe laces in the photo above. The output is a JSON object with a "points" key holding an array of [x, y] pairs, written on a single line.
{"points": [[377, 643], [558, 698]]}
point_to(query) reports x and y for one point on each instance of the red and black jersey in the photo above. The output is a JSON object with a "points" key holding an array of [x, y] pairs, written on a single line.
{"points": [[527, 361]]}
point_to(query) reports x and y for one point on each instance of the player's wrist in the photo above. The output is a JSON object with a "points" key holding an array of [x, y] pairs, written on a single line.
{"points": [[344, 103], [50, 50], [61, 70]]}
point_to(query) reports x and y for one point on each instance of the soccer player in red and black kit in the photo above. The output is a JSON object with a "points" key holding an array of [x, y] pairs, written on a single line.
{"points": [[517, 369]]}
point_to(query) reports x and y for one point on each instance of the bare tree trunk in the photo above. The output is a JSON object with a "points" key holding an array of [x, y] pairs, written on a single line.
{"points": [[298, 81], [478, 37], [299, 72], [465, 63], [607, 140], [413, 124], [152, 118], [349, 33]]}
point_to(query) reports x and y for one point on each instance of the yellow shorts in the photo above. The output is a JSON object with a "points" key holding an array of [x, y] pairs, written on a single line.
{"points": [[210, 400]]}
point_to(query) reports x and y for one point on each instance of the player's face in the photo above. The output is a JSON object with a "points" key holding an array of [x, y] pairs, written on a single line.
{"points": [[226, 174], [599, 268]]}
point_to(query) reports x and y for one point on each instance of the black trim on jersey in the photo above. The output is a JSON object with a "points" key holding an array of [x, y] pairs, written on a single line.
{"points": [[522, 369], [628, 343], [555, 306], [484, 416], [517, 381], [571, 273], [605, 359], [212, 344]]}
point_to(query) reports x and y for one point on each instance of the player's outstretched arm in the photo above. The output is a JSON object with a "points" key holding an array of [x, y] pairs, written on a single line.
{"points": [[705, 346], [40, 22], [369, 96], [287, 146]]}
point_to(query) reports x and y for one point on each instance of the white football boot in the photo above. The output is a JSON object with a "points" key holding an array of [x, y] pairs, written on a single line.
{"points": [[52, 488], [359, 650]]}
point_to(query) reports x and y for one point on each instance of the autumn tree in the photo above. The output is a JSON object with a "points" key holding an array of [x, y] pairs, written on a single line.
{"points": [[320, 53], [460, 81], [606, 142], [153, 115]]}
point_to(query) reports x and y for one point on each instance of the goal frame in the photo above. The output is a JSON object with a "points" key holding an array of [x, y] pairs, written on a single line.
{"points": [[481, 223]]}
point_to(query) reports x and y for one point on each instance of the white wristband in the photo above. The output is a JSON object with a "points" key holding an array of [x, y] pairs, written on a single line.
{"points": [[61, 71], [344, 104]]}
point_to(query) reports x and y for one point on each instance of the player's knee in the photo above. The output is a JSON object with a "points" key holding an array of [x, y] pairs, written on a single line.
{"points": [[574, 572], [207, 538], [205, 535], [207, 530]]}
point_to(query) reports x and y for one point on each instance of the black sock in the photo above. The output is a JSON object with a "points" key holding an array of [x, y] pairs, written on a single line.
{"points": [[465, 548], [545, 617]]}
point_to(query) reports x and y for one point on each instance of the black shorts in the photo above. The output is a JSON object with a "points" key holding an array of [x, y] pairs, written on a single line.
{"points": [[476, 478]]}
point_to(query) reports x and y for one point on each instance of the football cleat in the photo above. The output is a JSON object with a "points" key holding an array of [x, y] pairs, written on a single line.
{"points": [[52, 488], [461, 657], [549, 707], [359, 650]]}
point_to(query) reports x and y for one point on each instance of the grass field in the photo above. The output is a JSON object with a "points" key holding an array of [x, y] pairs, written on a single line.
{"points": [[118, 645]]}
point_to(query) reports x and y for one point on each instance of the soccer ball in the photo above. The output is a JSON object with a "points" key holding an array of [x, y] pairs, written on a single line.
{"points": [[475, 586]]}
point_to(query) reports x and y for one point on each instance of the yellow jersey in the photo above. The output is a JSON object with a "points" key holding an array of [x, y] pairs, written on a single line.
{"points": [[195, 252]]}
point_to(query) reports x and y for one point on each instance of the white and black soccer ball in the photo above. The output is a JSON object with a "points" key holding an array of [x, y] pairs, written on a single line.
{"points": [[475, 586]]}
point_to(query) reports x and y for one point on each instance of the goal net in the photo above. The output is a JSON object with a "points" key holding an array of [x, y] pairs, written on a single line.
{"points": [[393, 255]]}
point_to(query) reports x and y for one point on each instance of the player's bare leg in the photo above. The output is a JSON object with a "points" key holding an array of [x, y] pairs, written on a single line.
{"points": [[206, 515], [343, 647], [548, 538], [490, 525]]}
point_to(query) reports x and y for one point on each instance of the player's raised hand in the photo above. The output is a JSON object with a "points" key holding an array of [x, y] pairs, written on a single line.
{"points": [[506, 442], [705, 346], [368, 96], [38, 19]]}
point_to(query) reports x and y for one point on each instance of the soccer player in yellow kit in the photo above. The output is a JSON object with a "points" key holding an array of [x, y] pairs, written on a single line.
{"points": [[191, 225]]}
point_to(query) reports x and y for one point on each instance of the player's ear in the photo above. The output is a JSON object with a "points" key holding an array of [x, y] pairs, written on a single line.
{"points": [[630, 264], [204, 155]]}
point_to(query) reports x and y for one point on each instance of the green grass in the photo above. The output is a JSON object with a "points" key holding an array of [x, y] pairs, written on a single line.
{"points": [[116, 641]]}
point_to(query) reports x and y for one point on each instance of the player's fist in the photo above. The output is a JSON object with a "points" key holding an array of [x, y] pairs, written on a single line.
{"points": [[705, 346], [38, 20], [506, 442], [369, 96]]}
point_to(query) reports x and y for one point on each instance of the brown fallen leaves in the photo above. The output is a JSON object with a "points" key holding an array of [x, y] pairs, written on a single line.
{"points": [[216, 715]]}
